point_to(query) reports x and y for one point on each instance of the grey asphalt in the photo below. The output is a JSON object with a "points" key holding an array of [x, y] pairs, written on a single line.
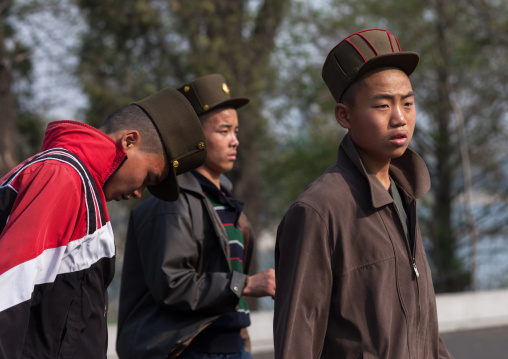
{"points": [[490, 343]]}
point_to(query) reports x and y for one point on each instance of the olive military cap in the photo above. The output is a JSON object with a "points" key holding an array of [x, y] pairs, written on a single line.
{"points": [[360, 53], [210, 92], [181, 133]]}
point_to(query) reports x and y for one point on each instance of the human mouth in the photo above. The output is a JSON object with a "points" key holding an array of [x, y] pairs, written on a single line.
{"points": [[399, 138]]}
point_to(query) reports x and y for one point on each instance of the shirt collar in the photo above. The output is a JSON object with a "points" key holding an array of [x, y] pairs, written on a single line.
{"points": [[220, 195]]}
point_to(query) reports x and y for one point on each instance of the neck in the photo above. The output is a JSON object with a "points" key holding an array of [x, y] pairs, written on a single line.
{"points": [[213, 177], [382, 173], [384, 177]]}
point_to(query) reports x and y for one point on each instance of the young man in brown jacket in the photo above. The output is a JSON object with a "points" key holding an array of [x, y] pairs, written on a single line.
{"points": [[351, 272]]}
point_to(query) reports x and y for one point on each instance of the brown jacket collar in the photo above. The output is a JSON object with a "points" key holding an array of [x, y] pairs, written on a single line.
{"points": [[408, 171]]}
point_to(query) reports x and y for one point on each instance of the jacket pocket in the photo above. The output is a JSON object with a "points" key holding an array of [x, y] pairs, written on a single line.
{"points": [[70, 331]]}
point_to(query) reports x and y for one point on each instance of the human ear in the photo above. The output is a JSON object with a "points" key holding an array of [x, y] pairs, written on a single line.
{"points": [[342, 115], [130, 138]]}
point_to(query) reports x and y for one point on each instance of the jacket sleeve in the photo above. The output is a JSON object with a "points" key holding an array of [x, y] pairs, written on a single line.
{"points": [[304, 281], [170, 258], [32, 244]]}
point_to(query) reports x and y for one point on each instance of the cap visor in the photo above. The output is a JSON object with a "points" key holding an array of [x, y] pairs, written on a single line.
{"points": [[235, 103], [168, 189], [407, 61]]}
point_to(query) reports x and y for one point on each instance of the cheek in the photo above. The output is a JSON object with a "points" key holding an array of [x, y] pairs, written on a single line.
{"points": [[411, 122], [137, 180], [109, 189]]}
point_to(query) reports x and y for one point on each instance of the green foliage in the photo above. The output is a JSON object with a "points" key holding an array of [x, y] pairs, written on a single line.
{"points": [[288, 134], [292, 165], [134, 48], [16, 139], [31, 130], [462, 46], [120, 57]]}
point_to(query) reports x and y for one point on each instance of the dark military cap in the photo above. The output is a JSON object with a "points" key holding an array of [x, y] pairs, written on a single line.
{"points": [[360, 53], [210, 92], [181, 134]]}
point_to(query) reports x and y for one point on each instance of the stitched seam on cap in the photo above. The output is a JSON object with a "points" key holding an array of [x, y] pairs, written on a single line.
{"points": [[368, 42], [350, 43], [390, 39], [339, 65], [397, 41], [187, 154]]}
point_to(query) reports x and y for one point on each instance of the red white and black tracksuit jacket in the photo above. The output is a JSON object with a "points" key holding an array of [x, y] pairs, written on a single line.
{"points": [[57, 250]]}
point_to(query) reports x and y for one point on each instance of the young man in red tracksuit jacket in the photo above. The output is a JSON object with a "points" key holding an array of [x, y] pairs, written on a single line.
{"points": [[57, 248]]}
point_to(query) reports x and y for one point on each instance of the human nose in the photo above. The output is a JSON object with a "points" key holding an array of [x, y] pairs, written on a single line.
{"points": [[234, 140], [398, 117], [138, 192]]}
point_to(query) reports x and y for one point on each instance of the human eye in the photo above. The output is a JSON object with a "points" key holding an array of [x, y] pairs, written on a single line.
{"points": [[381, 105], [409, 104]]}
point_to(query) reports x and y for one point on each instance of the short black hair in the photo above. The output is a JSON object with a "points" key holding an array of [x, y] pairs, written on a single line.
{"points": [[132, 117]]}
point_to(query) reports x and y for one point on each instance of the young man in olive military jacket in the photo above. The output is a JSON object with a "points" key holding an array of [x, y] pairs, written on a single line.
{"points": [[186, 264]]}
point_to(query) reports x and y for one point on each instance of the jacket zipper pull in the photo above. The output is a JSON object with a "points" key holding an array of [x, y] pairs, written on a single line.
{"points": [[415, 269]]}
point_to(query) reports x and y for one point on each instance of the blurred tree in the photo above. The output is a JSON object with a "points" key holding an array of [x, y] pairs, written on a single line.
{"points": [[9, 50], [305, 135], [140, 47], [134, 48], [21, 117], [461, 75]]}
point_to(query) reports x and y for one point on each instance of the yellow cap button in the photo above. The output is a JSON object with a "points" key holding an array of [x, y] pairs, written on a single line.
{"points": [[225, 88], [206, 107], [201, 145], [186, 88], [176, 164]]}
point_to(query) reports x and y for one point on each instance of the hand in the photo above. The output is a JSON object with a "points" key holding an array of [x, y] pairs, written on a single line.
{"points": [[261, 284]]}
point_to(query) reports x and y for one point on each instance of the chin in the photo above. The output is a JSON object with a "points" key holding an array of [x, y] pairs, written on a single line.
{"points": [[227, 168], [399, 152]]}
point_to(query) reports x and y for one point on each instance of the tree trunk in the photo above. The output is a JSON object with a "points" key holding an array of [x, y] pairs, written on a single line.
{"points": [[8, 129], [450, 276]]}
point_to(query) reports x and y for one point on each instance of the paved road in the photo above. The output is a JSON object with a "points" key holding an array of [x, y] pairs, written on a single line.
{"points": [[478, 344], [489, 343]]}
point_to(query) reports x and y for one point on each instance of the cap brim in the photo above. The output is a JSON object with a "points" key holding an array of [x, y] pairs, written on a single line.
{"points": [[181, 134], [168, 189], [407, 61], [235, 103]]}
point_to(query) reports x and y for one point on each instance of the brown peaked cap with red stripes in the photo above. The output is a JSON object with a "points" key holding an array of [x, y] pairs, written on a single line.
{"points": [[360, 53]]}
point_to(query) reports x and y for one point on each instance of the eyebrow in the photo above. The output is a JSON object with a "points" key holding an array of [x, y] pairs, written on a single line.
{"points": [[388, 96], [226, 125]]}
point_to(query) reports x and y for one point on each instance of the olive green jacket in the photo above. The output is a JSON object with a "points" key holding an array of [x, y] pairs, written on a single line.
{"points": [[176, 276]]}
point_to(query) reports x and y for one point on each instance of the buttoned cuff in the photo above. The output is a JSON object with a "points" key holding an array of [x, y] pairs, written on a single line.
{"points": [[238, 283]]}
